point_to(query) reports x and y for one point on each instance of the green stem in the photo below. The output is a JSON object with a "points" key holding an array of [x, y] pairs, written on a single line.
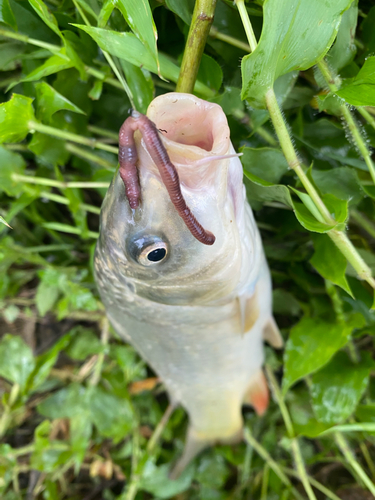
{"points": [[70, 136], [103, 132], [87, 155], [265, 480], [348, 117], [336, 300], [6, 416], [367, 116], [64, 228], [26, 39], [214, 33], [42, 181], [64, 201], [269, 460], [156, 435], [94, 380], [291, 155], [246, 24], [350, 458], [203, 17], [315, 483], [363, 222], [295, 448], [338, 237]]}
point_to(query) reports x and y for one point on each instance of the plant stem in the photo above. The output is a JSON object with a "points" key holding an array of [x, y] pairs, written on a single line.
{"points": [[338, 237], [367, 116], [42, 181], [291, 155], [203, 17], [94, 380], [363, 222], [64, 201], [38, 43], [348, 117], [215, 33], [70, 136], [87, 155], [350, 458], [246, 24], [103, 132], [315, 483], [295, 448], [156, 435]]}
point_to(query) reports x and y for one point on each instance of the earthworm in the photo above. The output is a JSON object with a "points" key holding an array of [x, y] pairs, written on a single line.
{"points": [[129, 174]]}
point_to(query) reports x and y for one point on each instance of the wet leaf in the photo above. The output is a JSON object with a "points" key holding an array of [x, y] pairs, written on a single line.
{"points": [[338, 387], [312, 343], [298, 42], [329, 262], [14, 118], [360, 91], [16, 360]]}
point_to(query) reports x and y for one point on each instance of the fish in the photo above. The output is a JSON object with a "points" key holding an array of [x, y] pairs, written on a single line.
{"points": [[194, 300]]}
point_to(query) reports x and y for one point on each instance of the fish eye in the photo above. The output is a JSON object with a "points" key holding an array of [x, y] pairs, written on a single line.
{"points": [[153, 254], [148, 250]]}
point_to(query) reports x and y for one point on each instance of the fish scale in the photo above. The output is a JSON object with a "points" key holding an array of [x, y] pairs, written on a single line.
{"points": [[199, 316]]}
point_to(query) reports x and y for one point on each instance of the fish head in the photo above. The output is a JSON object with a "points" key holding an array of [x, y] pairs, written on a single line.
{"points": [[150, 247]]}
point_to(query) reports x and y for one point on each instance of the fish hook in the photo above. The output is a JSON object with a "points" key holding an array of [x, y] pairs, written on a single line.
{"points": [[128, 171]]}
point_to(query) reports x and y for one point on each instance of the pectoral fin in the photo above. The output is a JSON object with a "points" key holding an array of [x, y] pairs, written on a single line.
{"points": [[272, 335], [249, 311], [257, 394]]}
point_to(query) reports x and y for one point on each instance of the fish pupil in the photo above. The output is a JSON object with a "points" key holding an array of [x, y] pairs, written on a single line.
{"points": [[157, 255]]}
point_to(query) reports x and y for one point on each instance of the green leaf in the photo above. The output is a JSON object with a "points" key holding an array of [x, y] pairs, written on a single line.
{"points": [[85, 343], [6, 14], [183, 8], [344, 49], [105, 12], [65, 403], [48, 291], [338, 387], [210, 72], [261, 190], [295, 36], [11, 163], [48, 150], [361, 89], [330, 262], [312, 343], [49, 101], [156, 480], [127, 46], [16, 360], [342, 182], [308, 221], [14, 118], [138, 15], [53, 65], [140, 83], [44, 13], [112, 415], [266, 163]]}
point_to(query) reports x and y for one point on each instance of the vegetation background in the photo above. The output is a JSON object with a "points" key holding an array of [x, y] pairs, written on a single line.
{"points": [[81, 413]]}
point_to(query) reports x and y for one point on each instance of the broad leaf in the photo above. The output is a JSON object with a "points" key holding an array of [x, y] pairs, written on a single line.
{"points": [[6, 14], [53, 65], [14, 118], [344, 49], [338, 387], [138, 15], [44, 13], [11, 163], [266, 163], [299, 41], [312, 343], [49, 101], [261, 190], [156, 480], [127, 46], [140, 83], [361, 89], [330, 262], [16, 360]]}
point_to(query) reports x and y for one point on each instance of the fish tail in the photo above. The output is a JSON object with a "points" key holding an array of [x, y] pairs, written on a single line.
{"points": [[195, 443], [257, 394]]}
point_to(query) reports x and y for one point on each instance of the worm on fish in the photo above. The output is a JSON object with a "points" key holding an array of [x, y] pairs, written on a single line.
{"points": [[129, 174]]}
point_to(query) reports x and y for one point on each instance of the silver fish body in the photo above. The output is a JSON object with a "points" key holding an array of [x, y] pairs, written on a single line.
{"points": [[199, 316]]}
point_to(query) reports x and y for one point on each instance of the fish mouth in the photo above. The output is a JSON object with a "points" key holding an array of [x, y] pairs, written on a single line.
{"points": [[194, 133]]}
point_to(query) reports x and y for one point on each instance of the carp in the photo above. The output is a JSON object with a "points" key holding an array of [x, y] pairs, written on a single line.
{"points": [[180, 266]]}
